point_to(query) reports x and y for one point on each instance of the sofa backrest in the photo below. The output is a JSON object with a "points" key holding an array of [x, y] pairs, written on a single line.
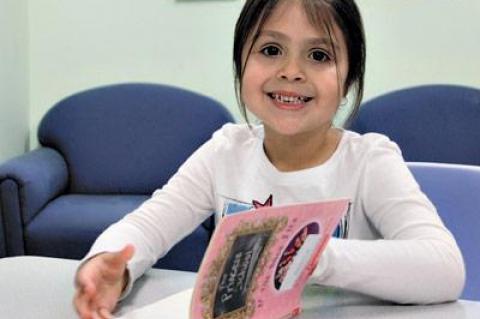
{"points": [[129, 138], [430, 123]]}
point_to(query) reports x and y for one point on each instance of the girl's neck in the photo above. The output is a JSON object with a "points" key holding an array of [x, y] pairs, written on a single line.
{"points": [[293, 153]]}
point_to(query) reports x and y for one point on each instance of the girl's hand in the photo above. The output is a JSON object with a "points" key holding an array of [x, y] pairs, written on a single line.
{"points": [[100, 282]]}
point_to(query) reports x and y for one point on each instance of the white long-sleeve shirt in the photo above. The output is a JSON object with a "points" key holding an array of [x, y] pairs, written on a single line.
{"points": [[396, 247]]}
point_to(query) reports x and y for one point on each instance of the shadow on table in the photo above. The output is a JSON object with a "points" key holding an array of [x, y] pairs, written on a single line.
{"points": [[326, 303]]}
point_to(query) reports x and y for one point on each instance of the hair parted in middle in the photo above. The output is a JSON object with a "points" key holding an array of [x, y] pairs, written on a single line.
{"points": [[323, 15]]}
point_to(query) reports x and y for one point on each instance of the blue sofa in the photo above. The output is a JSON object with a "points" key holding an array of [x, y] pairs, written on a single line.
{"points": [[102, 153], [454, 190], [430, 123]]}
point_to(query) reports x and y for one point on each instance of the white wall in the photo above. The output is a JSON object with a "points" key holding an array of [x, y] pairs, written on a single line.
{"points": [[421, 41], [13, 78], [79, 44]]}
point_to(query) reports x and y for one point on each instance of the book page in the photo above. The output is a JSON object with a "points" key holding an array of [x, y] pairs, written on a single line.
{"points": [[299, 262]]}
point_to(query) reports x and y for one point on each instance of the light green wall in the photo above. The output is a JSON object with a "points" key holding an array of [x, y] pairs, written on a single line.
{"points": [[420, 42], [81, 44], [13, 78], [75, 45]]}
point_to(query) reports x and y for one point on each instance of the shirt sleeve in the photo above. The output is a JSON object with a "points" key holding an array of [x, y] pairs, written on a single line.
{"points": [[170, 214], [416, 260]]}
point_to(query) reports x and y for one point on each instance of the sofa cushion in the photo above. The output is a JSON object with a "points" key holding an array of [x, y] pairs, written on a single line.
{"points": [[69, 225]]}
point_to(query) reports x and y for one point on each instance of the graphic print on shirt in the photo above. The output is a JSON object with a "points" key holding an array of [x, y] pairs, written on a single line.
{"points": [[267, 203], [232, 206], [343, 227]]}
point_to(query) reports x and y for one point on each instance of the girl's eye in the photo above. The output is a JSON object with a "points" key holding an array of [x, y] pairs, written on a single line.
{"points": [[271, 51], [319, 56]]}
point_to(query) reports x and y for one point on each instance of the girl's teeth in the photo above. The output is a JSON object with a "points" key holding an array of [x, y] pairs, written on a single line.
{"points": [[289, 99]]}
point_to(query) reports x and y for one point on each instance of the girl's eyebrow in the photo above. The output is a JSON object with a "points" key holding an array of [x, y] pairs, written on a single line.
{"points": [[310, 41], [273, 34], [323, 41]]}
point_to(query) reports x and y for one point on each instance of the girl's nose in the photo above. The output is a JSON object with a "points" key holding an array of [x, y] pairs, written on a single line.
{"points": [[291, 70]]}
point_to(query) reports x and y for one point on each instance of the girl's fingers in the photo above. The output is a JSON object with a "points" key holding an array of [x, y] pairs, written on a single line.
{"points": [[86, 277], [96, 315], [99, 307], [88, 288], [105, 313], [82, 305]]}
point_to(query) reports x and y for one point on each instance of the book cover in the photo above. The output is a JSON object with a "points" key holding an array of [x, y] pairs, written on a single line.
{"points": [[258, 261]]}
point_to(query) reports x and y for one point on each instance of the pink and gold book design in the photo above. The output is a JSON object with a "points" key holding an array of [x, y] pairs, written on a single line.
{"points": [[259, 261]]}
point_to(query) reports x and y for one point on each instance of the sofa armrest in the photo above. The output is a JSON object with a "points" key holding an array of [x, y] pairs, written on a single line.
{"points": [[27, 183]]}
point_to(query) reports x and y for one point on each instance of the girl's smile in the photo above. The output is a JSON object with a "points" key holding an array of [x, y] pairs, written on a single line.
{"points": [[287, 100]]}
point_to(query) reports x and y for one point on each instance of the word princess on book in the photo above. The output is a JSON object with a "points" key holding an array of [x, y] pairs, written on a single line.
{"points": [[235, 281]]}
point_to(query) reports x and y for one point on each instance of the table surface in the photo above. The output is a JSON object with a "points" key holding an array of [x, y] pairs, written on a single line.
{"points": [[39, 287]]}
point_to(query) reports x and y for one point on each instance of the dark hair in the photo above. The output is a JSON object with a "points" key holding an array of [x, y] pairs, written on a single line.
{"points": [[345, 15]]}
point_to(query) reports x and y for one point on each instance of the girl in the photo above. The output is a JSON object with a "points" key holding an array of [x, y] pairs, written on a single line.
{"points": [[295, 62]]}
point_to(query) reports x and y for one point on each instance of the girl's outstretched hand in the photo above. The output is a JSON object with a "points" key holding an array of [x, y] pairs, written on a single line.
{"points": [[100, 282]]}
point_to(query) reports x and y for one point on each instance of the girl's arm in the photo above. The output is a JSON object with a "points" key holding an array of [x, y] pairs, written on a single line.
{"points": [[416, 261], [169, 215]]}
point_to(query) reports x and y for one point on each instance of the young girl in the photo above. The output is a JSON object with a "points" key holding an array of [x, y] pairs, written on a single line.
{"points": [[295, 62]]}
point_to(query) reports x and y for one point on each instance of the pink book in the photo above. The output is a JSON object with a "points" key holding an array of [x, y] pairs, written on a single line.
{"points": [[259, 261]]}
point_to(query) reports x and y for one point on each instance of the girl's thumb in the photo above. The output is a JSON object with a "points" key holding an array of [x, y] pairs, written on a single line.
{"points": [[127, 252], [120, 258]]}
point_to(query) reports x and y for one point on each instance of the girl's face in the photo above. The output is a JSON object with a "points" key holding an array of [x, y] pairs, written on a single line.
{"points": [[291, 81]]}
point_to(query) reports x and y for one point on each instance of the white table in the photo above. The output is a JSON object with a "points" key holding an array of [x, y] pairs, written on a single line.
{"points": [[38, 287]]}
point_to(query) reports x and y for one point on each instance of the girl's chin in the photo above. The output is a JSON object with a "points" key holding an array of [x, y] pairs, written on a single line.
{"points": [[284, 129], [294, 128]]}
